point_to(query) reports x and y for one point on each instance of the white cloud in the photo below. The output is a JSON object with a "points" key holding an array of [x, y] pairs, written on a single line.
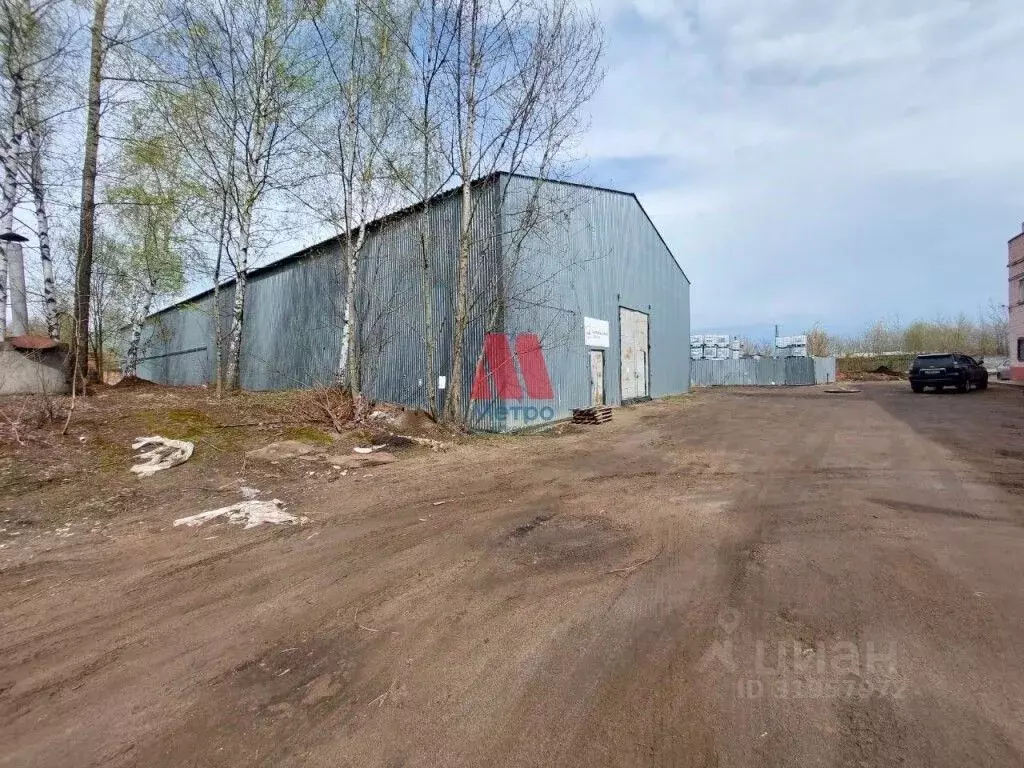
{"points": [[774, 118]]}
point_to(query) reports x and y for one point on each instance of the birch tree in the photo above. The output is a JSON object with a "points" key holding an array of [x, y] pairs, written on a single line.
{"points": [[34, 49], [16, 22], [358, 141], [427, 124], [242, 72], [35, 132], [148, 211], [516, 81]]}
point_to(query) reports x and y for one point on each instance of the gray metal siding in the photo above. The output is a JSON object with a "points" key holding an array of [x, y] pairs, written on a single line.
{"points": [[824, 370], [393, 290], [294, 312], [591, 252], [290, 336], [177, 346], [766, 372]]}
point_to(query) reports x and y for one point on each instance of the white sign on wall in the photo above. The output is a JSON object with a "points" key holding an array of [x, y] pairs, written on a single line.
{"points": [[596, 333]]}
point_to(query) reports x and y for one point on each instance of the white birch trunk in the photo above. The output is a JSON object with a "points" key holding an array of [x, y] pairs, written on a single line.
{"points": [[43, 233], [10, 171], [232, 379], [238, 309], [453, 403], [18, 295], [348, 365], [346, 318], [131, 358]]}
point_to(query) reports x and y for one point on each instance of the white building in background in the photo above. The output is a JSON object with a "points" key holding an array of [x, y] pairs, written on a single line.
{"points": [[1015, 306]]}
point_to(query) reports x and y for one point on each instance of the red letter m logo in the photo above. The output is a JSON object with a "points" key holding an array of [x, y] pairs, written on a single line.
{"points": [[499, 361]]}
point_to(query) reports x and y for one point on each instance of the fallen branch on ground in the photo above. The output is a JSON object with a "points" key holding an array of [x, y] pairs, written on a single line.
{"points": [[634, 566], [260, 423], [379, 701], [14, 422], [435, 445], [362, 626]]}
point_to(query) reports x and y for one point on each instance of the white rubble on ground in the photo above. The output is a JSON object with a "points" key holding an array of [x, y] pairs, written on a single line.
{"points": [[252, 513], [167, 453], [280, 451]]}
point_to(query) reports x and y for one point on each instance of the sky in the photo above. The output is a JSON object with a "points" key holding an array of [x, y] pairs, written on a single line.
{"points": [[819, 161], [832, 162]]}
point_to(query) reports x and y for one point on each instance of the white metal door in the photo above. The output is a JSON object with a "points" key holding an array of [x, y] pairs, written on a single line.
{"points": [[596, 377], [633, 352]]}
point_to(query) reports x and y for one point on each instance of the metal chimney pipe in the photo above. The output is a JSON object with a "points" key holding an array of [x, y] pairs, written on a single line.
{"points": [[16, 281]]}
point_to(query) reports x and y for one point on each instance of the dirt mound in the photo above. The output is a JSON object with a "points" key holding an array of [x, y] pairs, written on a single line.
{"points": [[134, 382], [880, 373], [884, 370], [405, 421]]}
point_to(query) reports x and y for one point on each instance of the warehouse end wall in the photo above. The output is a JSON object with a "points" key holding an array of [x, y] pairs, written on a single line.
{"points": [[586, 253]]}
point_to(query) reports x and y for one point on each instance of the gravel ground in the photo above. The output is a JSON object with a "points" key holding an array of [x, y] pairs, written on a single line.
{"points": [[763, 578]]}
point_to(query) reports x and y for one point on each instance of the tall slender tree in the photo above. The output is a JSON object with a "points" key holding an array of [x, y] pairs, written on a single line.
{"points": [[36, 131], [358, 142], [35, 47], [14, 45], [427, 126], [239, 78], [516, 80], [87, 210], [148, 211]]}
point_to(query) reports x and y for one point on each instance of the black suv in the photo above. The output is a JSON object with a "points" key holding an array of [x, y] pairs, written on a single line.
{"points": [[947, 370]]}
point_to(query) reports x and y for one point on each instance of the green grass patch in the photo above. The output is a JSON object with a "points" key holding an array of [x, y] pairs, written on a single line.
{"points": [[113, 455], [192, 425], [178, 423], [308, 434]]}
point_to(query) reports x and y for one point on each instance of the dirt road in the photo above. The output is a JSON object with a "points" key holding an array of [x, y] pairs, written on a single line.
{"points": [[743, 578]]}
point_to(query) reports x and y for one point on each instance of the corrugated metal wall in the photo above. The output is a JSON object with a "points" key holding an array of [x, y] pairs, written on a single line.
{"points": [[584, 252], [824, 370], [290, 337], [177, 345], [393, 291], [768, 371], [587, 253]]}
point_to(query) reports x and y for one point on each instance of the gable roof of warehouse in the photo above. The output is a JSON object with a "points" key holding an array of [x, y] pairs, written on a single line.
{"points": [[410, 209]]}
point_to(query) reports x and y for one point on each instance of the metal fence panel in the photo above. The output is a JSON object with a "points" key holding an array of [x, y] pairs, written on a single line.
{"points": [[766, 372], [824, 370], [799, 371]]}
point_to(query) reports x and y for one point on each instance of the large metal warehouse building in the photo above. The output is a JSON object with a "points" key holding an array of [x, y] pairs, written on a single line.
{"points": [[575, 299]]}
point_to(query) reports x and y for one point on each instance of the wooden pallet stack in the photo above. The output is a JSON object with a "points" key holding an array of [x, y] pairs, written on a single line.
{"points": [[596, 415]]}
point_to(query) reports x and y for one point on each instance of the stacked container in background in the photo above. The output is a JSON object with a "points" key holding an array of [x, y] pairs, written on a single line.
{"points": [[715, 346], [791, 346]]}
